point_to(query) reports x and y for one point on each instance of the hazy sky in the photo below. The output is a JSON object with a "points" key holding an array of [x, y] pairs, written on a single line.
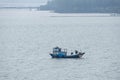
{"points": [[23, 1]]}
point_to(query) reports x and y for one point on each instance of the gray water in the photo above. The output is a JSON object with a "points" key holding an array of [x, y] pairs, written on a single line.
{"points": [[27, 37]]}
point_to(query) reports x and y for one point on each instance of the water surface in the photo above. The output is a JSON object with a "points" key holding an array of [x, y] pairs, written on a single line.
{"points": [[27, 37]]}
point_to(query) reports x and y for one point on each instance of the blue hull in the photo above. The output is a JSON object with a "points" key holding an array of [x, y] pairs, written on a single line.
{"points": [[67, 56]]}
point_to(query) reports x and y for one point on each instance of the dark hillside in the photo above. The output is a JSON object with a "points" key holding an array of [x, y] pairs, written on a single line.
{"points": [[83, 6]]}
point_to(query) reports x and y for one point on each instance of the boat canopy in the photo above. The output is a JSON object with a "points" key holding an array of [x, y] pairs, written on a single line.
{"points": [[57, 49]]}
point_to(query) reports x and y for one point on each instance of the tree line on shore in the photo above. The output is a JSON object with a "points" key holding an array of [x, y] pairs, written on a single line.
{"points": [[82, 6]]}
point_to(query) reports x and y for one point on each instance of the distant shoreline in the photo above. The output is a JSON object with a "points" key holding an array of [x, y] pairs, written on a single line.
{"points": [[54, 14]]}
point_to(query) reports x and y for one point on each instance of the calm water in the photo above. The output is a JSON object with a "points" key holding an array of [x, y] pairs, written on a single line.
{"points": [[27, 37]]}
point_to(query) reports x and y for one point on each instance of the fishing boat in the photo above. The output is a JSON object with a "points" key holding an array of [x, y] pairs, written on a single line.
{"points": [[62, 53]]}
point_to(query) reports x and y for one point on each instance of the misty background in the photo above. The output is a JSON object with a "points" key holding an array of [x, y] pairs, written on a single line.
{"points": [[66, 6], [22, 3]]}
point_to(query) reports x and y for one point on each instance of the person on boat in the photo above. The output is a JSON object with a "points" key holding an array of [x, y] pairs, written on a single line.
{"points": [[71, 53], [76, 52], [59, 49]]}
